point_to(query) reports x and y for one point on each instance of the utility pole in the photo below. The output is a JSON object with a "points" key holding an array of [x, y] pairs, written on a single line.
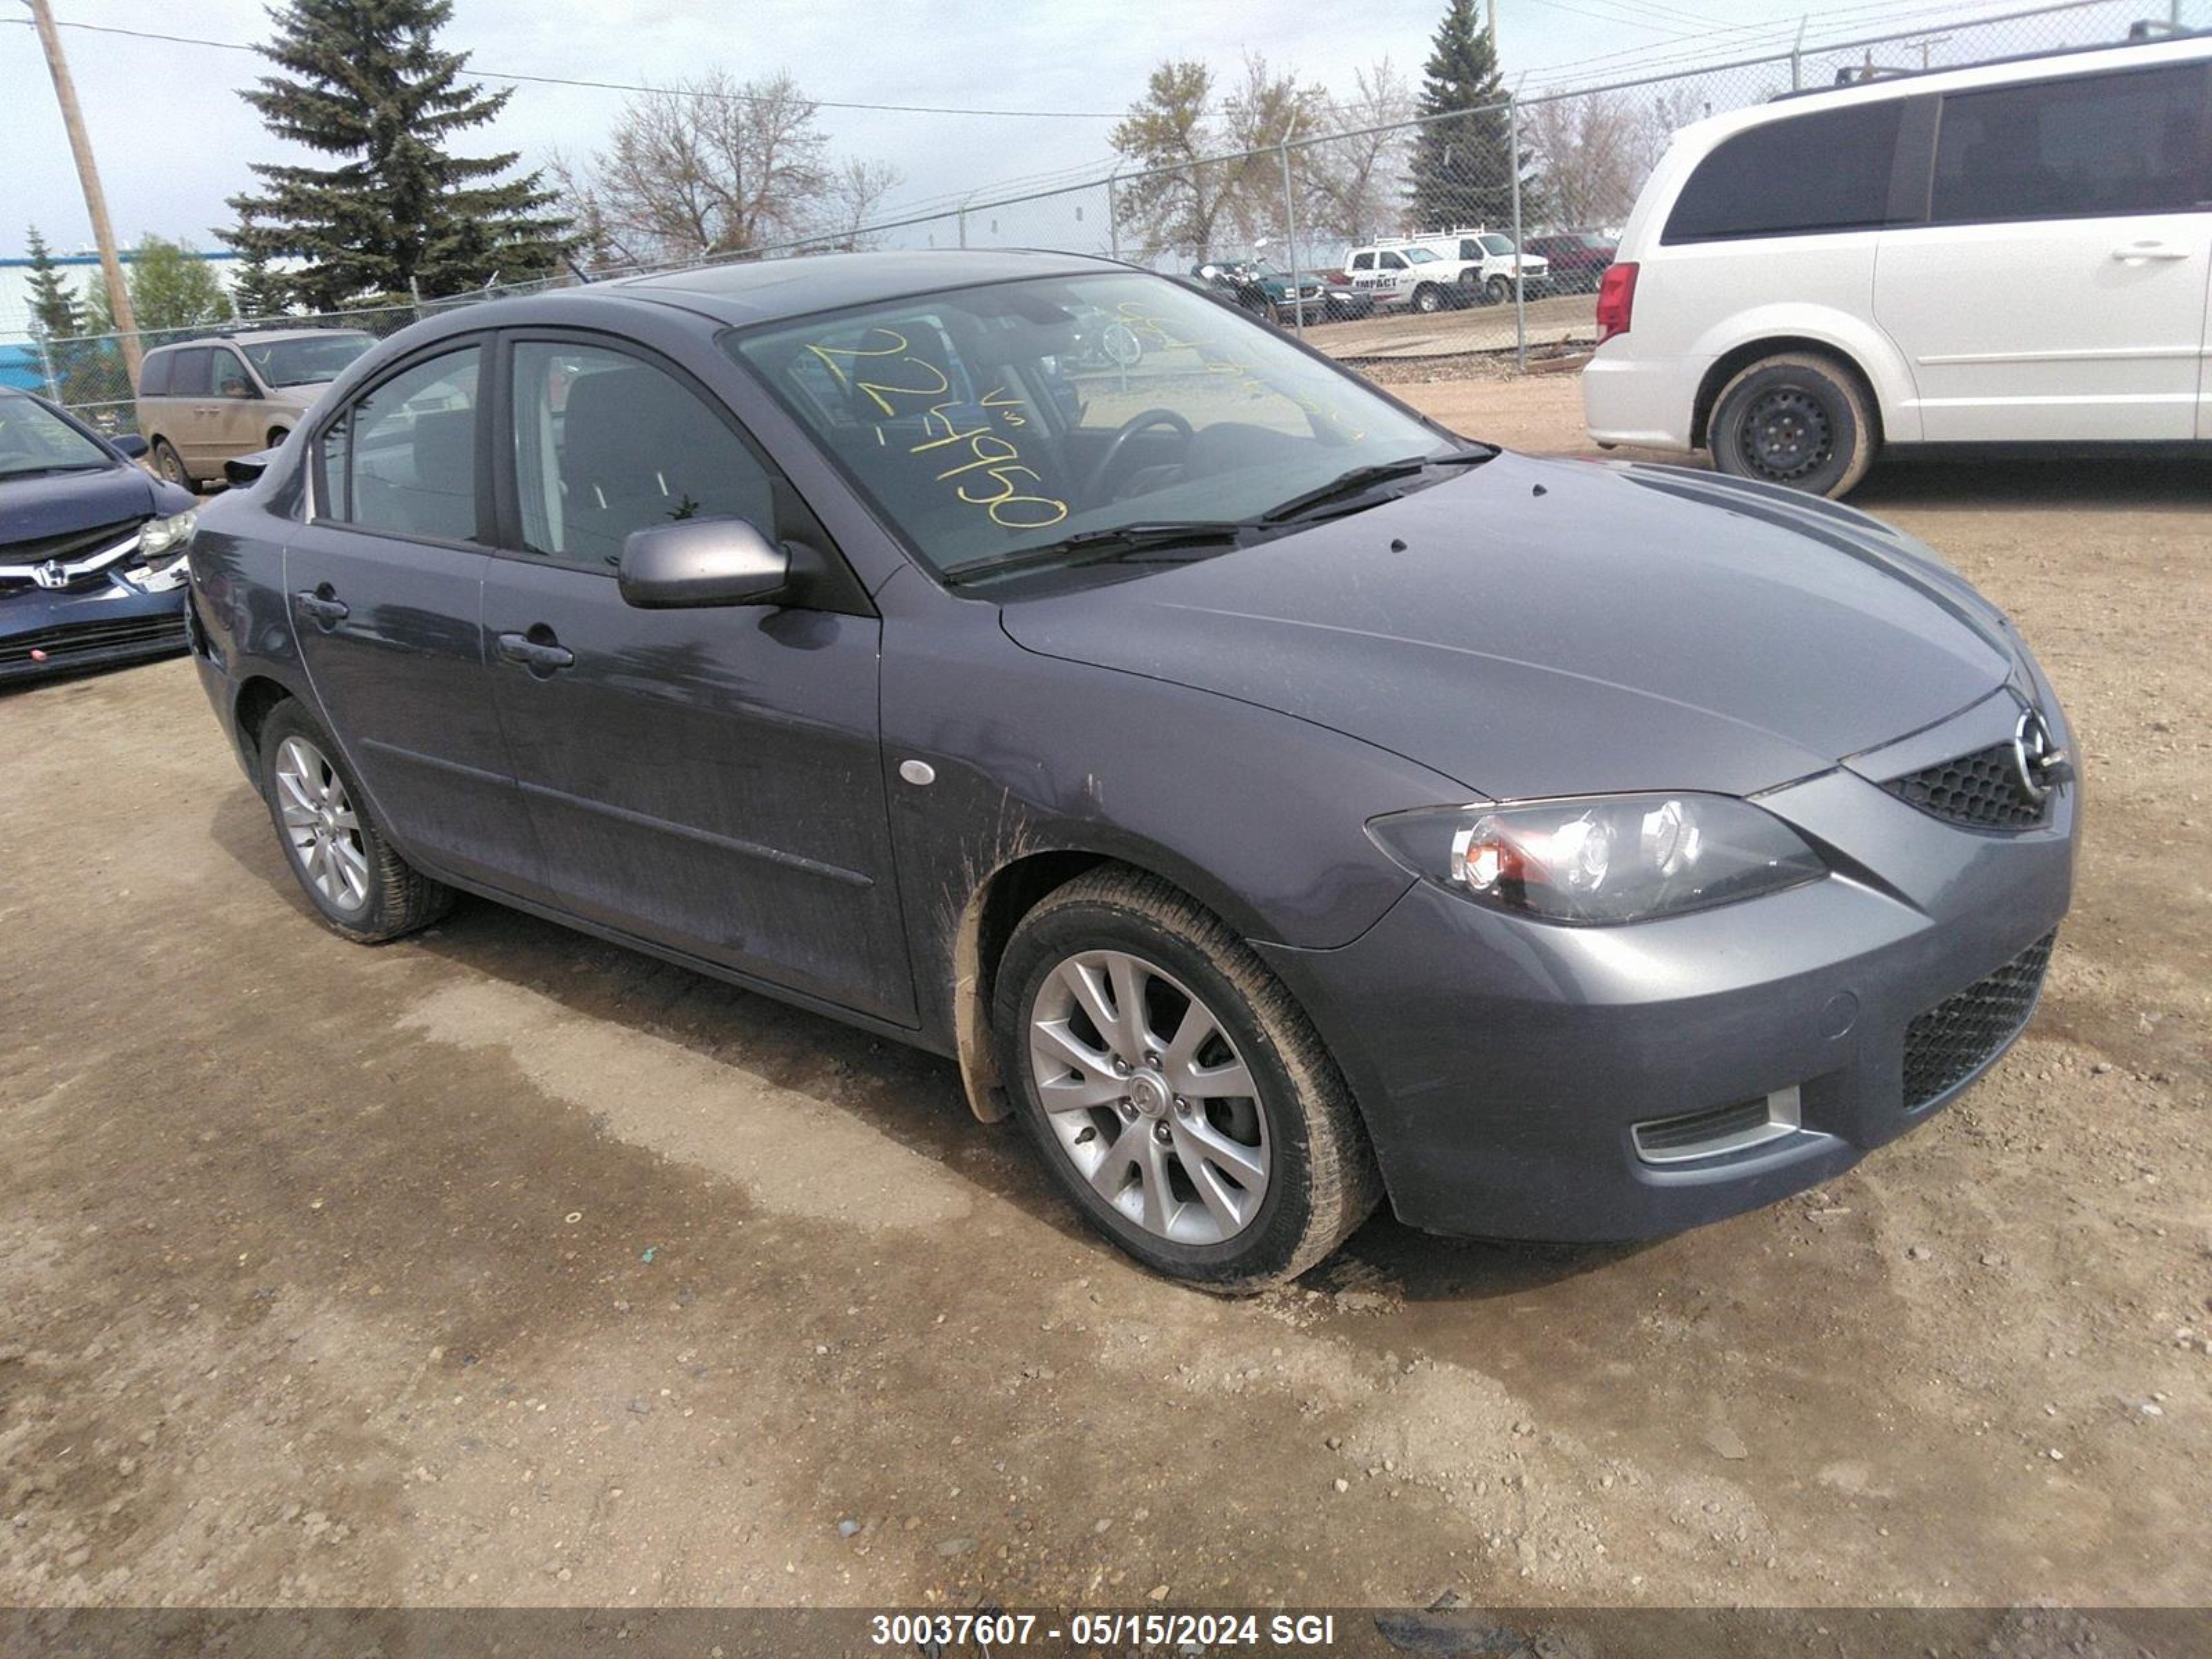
{"points": [[1493, 30], [96, 200]]}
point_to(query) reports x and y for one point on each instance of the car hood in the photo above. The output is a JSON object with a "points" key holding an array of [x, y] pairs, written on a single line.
{"points": [[1541, 627], [54, 504]]}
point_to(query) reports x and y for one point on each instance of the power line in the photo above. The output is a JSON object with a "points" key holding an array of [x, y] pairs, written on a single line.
{"points": [[624, 86]]}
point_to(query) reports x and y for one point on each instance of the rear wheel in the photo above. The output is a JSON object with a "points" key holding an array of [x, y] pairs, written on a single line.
{"points": [[1796, 419], [170, 465], [1176, 1093], [359, 886]]}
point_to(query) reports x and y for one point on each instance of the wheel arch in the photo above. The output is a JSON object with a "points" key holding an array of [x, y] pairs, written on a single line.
{"points": [[255, 700], [1884, 396]]}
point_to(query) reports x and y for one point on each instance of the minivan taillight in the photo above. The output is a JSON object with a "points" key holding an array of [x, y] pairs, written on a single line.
{"points": [[1616, 301]]}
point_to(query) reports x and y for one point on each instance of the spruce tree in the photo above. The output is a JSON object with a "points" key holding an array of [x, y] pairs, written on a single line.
{"points": [[364, 82], [1462, 167], [54, 313], [257, 290]]}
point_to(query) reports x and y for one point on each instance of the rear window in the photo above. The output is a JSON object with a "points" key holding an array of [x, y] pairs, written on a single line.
{"points": [[154, 374], [1825, 170], [2099, 145]]}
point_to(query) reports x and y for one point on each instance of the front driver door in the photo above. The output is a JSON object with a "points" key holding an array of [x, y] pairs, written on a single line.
{"points": [[386, 587], [708, 779]]}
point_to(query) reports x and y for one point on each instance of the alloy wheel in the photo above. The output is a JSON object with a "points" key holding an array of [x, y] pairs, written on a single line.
{"points": [[320, 824], [1148, 1097]]}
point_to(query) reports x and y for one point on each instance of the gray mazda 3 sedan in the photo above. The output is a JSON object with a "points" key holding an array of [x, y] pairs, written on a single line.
{"points": [[1273, 801]]}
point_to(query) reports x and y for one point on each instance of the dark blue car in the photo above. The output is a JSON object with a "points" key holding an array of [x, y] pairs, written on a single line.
{"points": [[1276, 802], [92, 546]]}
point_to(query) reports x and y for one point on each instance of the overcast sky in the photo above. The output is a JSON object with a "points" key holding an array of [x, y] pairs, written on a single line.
{"points": [[173, 139]]}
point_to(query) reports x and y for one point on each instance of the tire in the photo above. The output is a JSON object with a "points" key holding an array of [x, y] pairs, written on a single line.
{"points": [[1799, 420], [1499, 289], [1297, 1125], [1470, 287], [171, 465], [394, 898], [1428, 298]]}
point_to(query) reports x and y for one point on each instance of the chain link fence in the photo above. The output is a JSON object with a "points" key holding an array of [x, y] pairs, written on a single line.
{"points": [[1482, 231]]}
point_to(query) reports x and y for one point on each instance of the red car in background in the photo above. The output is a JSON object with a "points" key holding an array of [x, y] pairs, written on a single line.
{"points": [[1579, 260]]}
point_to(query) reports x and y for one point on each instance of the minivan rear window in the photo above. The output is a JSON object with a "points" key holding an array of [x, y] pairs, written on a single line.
{"points": [[2087, 147], [1829, 170]]}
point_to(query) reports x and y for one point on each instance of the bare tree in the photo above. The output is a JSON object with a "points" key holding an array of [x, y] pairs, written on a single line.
{"points": [[702, 167], [856, 194], [1351, 187], [1589, 148]]}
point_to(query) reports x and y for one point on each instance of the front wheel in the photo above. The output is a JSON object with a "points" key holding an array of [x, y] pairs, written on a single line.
{"points": [[1798, 420], [1176, 1093], [170, 465], [1427, 298], [1499, 290], [359, 887]]}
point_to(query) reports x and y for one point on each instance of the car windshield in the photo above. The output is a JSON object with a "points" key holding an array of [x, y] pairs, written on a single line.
{"points": [[992, 422], [1495, 244], [33, 439], [308, 361]]}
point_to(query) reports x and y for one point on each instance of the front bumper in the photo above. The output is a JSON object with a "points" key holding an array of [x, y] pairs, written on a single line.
{"points": [[1502, 1065], [94, 626]]}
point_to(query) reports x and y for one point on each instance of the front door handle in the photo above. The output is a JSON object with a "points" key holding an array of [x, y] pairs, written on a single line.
{"points": [[322, 607], [540, 655], [2149, 250]]}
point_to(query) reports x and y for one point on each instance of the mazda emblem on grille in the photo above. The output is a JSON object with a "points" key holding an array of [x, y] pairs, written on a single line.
{"points": [[2041, 763]]}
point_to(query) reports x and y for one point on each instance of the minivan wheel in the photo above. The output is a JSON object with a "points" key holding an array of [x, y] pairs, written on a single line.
{"points": [[1174, 1090], [1427, 298], [170, 465], [359, 887], [1799, 420]]}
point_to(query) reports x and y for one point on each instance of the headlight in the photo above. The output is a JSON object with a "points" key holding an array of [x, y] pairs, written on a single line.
{"points": [[159, 536], [1603, 858]]}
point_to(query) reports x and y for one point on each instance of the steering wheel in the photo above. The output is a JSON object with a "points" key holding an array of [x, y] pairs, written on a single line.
{"points": [[1128, 430]]}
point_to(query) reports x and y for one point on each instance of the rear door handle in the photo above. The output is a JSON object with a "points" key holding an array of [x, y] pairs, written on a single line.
{"points": [[322, 607], [2149, 250], [539, 656]]}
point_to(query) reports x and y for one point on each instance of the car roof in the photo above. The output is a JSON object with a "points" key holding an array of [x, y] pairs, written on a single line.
{"points": [[2193, 48], [771, 290], [254, 336]]}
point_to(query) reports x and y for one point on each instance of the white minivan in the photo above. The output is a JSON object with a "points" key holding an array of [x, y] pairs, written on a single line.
{"points": [[2012, 254]]}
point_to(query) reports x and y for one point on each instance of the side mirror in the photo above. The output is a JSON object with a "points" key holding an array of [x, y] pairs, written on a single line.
{"points": [[131, 447], [243, 470], [700, 561], [1212, 273]]}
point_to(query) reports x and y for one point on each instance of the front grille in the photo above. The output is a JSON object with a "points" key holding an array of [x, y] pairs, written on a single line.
{"points": [[1982, 791], [62, 644], [1951, 1040]]}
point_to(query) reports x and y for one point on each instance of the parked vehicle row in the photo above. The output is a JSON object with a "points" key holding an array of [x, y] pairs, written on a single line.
{"points": [[1442, 269], [2011, 255], [1155, 742]]}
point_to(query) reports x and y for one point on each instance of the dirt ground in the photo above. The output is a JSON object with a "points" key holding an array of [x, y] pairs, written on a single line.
{"points": [[501, 1267]]}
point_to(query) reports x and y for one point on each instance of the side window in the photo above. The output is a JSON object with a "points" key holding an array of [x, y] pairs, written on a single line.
{"points": [[605, 444], [1392, 261], [2084, 149], [154, 373], [1469, 248], [402, 457], [188, 376], [1363, 262], [1804, 174], [229, 372]]}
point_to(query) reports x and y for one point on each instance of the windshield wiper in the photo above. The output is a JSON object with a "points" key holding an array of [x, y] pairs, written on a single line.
{"points": [[1092, 546], [1360, 478]]}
